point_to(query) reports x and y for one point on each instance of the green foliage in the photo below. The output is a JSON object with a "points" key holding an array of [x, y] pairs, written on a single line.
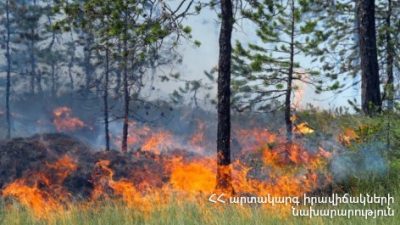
{"points": [[261, 71], [188, 213], [339, 53]]}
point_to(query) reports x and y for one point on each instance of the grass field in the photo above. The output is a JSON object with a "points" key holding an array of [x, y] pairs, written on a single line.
{"points": [[183, 213]]}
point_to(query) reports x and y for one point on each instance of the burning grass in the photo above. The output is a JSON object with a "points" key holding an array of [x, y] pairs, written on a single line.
{"points": [[56, 179], [176, 212]]}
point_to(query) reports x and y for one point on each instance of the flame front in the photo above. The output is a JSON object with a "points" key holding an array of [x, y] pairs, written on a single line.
{"points": [[64, 121], [265, 164], [43, 191]]}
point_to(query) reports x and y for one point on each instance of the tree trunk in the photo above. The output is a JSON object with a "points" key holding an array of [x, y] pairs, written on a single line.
{"points": [[105, 99], [224, 178], [52, 61], [124, 146], [118, 75], [389, 87], [71, 78], [8, 82], [370, 91], [87, 61], [288, 103], [39, 83], [33, 57], [33, 61], [71, 52], [53, 80]]}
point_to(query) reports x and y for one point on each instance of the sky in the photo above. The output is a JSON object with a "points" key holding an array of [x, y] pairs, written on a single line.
{"points": [[196, 60]]}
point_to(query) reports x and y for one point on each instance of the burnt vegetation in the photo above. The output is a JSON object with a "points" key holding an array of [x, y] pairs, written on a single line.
{"points": [[98, 103]]}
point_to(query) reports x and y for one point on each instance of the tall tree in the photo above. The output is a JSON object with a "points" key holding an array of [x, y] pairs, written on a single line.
{"points": [[288, 104], [105, 97], [342, 21], [370, 90], [126, 96], [390, 54], [267, 72], [136, 25], [8, 70], [224, 178], [387, 17]]}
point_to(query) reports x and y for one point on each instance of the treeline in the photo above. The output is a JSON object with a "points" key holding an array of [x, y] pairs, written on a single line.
{"points": [[105, 48], [349, 38]]}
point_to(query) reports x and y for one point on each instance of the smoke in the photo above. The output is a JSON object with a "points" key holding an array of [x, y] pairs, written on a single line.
{"points": [[187, 129], [368, 161]]}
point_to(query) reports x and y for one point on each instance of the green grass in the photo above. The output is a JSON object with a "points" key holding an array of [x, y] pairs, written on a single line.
{"points": [[201, 212], [183, 213]]}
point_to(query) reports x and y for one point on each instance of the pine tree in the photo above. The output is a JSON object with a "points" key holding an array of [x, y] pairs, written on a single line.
{"points": [[265, 74], [387, 23], [137, 26], [8, 22], [224, 178], [370, 91], [341, 56], [28, 14]]}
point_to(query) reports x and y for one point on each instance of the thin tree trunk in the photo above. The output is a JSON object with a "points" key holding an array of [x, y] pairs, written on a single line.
{"points": [[39, 82], [8, 82], [370, 91], [53, 80], [33, 62], [124, 146], [288, 103], [105, 99], [389, 87], [71, 78], [52, 61], [224, 178], [87, 61], [71, 62], [33, 58], [118, 74]]}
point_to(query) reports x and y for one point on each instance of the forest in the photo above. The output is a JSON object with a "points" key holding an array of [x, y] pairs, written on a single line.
{"points": [[199, 111]]}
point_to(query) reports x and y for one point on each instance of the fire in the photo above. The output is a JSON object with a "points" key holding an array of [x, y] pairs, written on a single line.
{"points": [[264, 164], [193, 177], [348, 136], [303, 128], [198, 140], [39, 201], [43, 192], [106, 187], [252, 139], [64, 121], [157, 142], [137, 133], [288, 168], [147, 139]]}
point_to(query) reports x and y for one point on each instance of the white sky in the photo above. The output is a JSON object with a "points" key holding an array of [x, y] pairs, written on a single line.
{"points": [[196, 60]]}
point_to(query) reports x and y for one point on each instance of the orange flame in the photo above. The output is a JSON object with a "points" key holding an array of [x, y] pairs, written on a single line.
{"points": [[64, 121], [303, 128], [148, 139], [43, 192], [266, 164], [348, 136], [193, 177], [107, 187]]}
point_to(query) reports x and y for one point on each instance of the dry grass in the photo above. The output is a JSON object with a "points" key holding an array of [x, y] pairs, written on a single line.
{"points": [[178, 213]]}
